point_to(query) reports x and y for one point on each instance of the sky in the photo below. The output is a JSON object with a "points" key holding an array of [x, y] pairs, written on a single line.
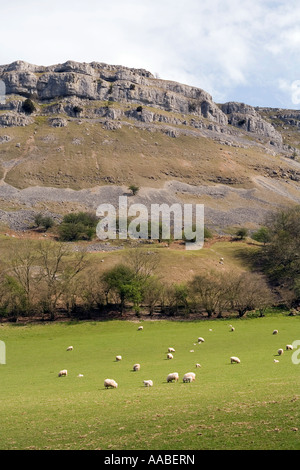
{"points": [[245, 51]]}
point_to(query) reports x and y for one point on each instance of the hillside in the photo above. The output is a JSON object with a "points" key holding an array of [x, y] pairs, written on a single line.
{"points": [[98, 128]]}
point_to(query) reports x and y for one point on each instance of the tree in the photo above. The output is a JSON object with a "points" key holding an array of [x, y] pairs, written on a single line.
{"points": [[118, 281], [134, 189], [210, 291], [78, 226], [242, 233], [28, 106], [262, 235], [280, 258], [45, 222], [250, 291]]}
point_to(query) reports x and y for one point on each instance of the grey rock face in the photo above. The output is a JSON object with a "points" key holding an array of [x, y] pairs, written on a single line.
{"points": [[246, 117], [82, 82]]}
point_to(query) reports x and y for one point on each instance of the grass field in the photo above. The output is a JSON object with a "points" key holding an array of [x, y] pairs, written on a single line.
{"points": [[252, 405]]}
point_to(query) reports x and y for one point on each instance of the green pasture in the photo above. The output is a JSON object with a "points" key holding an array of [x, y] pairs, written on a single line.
{"points": [[251, 405]]}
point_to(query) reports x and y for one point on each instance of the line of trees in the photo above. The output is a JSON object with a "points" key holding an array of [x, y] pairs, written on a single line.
{"points": [[50, 279]]}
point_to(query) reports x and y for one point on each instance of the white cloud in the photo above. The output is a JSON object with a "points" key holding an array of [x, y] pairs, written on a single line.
{"points": [[218, 45]]}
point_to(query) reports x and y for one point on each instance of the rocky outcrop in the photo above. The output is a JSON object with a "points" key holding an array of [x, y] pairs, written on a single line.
{"points": [[247, 118], [14, 119], [73, 86]]}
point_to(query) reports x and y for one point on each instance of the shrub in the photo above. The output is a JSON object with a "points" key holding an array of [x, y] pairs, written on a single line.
{"points": [[28, 106], [78, 226]]}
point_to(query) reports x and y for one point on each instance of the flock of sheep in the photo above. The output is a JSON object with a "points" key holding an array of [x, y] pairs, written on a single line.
{"points": [[174, 376]]}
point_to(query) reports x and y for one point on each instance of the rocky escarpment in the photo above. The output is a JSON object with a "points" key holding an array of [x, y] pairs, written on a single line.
{"points": [[90, 90]]}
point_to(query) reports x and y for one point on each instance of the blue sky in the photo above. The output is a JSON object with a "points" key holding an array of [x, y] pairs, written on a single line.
{"points": [[235, 50]]}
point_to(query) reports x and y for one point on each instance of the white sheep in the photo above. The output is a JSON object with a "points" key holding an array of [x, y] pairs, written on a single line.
{"points": [[232, 328], [275, 332], [275, 360], [170, 350], [70, 348], [235, 359], [280, 352], [140, 328], [173, 376], [169, 356], [63, 373], [110, 383], [136, 367], [200, 340], [198, 365], [79, 375], [118, 358], [289, 347], [189, 377], [148, 383]]}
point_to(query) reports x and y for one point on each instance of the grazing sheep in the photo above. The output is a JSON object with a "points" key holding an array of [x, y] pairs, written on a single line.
{"points": [[173, 376], [169, 356], [170, 350], [289, 347], [70, 348], [235, 359], [280, 352], [189, 377], [118, 358], [275, 332], [79, 375], [198, 365], [63, 373], [232, 328], [110, 383], [140, 328], [275, 360], [148, 383], [200, 340], [191, 350], [136, 367]]}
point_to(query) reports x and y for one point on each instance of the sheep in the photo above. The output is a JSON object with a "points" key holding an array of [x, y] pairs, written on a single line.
{"points": [[148, 383], [118, 358], [235, 359], [110, 383], [70, 348], [198, 365], [275, 332], [200, 340], [170, 350], [232, 328], [140, 328], [189, 377], [289, 347], [79, 375], [63, 373], [169, 356], [173, 376], [280, 352], [136, 367], [275, 360]]}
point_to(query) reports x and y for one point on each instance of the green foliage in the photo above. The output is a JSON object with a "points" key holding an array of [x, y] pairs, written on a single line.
{"points": [[262, 235], [134, 189], [45, 222], [28, 106], [78, 226], [280, 258], [241, 233]]}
